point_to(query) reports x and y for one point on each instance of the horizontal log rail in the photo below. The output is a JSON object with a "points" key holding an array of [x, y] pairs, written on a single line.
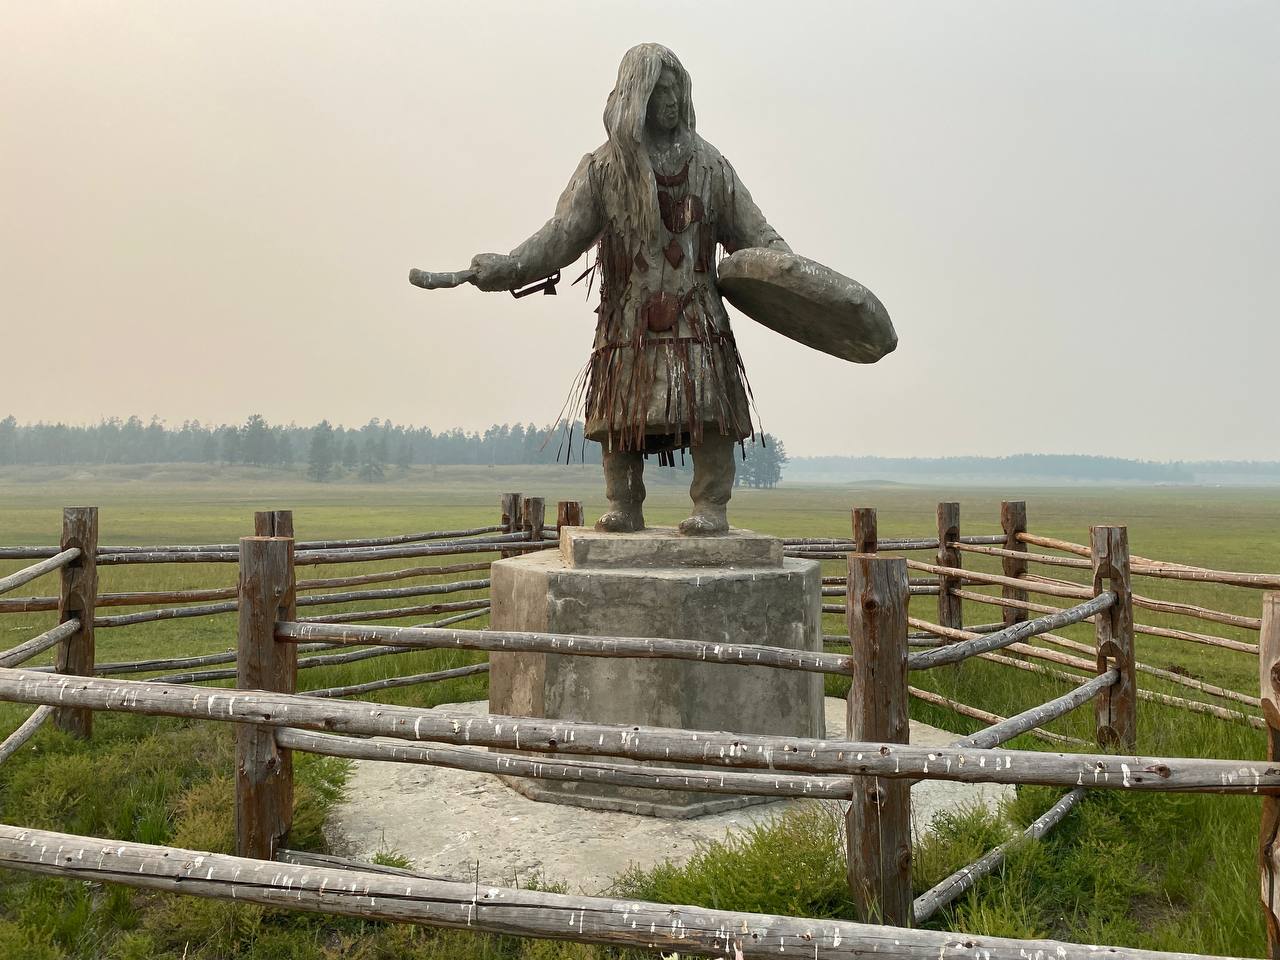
{"points": [[1046, 558], [393, 613], [1029, 584], [845, 545], [514, 542], [1043, 713], [954, 653], [742, 654], [986, 716], [715, 748], [511, 542], [520, 912], [388, 683], [37, 645], [14, 742], [27, 574], [1151, 696], [212, 609], [1146, 567], [1152, 631], [304, 663], [1078, 663], [1192, 683], [143, 598], [393, 593], [168, 613], [963, 880], [649, 777]]}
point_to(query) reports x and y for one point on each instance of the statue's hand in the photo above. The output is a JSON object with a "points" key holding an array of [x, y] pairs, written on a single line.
{"points": [[495, 271]]}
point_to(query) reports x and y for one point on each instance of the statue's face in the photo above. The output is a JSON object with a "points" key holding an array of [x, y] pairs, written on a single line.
{"points": [[664, 102]]}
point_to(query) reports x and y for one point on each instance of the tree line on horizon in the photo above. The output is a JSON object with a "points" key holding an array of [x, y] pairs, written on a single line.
{"points": [[327, 451]]}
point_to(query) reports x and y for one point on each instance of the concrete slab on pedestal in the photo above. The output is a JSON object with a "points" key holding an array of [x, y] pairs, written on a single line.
{"points": [[665, 547]]}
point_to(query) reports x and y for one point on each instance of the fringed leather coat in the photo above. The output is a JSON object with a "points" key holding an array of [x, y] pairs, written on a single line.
{"points": [[664, 367]]}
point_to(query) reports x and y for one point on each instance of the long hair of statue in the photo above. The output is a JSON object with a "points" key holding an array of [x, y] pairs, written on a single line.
{"points": [[629, 171]]}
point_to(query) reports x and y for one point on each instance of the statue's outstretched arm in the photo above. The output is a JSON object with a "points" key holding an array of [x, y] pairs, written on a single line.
{"points": [[746, 226], [572, 229]]}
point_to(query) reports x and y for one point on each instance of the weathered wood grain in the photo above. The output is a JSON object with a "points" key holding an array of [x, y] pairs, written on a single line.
{"points": [[648, 776], [264, 771], [37, 645], [986, 716], [865, 536], [878, 819], [428, 638], [77, 598], [1201, 638], [954, 653], [1116, 709], [960, 882], [1269, 831], [568, 514], [393, 613], [718, 748], [1043, 713], [410, 680], [28, 729], [1013, 520], [948, 558], [521, 912], [24, 576]]}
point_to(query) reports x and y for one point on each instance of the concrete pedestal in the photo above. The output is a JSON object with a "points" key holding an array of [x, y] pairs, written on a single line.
{"points": [[734, 588]]}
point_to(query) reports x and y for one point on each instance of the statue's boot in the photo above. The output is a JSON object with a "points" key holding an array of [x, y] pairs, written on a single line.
{"points": [[624, 489], [712, 485]]}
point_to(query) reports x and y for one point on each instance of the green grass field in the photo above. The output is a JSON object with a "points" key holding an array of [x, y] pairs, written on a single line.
{"points": [[1138, 870]]}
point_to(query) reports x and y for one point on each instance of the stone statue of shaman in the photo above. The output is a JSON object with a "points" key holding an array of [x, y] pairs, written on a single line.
{"points": [[656, 200]]}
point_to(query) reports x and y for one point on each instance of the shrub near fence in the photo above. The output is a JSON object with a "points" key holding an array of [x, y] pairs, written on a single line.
{"points": [[873, 767]]}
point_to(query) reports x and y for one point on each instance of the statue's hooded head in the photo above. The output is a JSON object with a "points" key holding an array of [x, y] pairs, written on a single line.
{"points": [[629, 171]]}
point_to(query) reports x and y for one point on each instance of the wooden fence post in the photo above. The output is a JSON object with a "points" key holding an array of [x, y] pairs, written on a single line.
{"points": [[950, 612], [1116, 708], [279, 523], [1013, 520], [511, 522], [568, 514], [864, 530], [878, 821], [77, 597], [533, 517], [264, 771], [1268, 847]]}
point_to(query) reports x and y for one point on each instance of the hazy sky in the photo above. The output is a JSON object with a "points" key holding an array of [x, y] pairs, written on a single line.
{"points": [[1070, 210]]}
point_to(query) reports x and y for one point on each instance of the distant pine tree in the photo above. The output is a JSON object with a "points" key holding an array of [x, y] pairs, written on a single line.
{"points": [[320, 453]]}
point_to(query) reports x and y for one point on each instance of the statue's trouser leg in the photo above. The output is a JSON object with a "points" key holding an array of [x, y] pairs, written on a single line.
{"points": [[712, 485], [624, 489]]}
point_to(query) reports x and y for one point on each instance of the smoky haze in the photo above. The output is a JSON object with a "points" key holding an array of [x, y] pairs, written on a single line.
{"points": [[1069, 209]]}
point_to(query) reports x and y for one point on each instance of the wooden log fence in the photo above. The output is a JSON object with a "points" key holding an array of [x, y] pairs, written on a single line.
{"points": [[37, 645], [986, 716], [954, 653], [963, 880], [1269, 829], [878, 818], [427, 638], [870, 768], [25, 732], [711, 748], [519, 912], [24, 576]]}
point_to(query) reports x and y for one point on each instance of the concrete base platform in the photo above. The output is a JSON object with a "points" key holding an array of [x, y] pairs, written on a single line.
{"points": [[732, 588], [457, 824]]}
